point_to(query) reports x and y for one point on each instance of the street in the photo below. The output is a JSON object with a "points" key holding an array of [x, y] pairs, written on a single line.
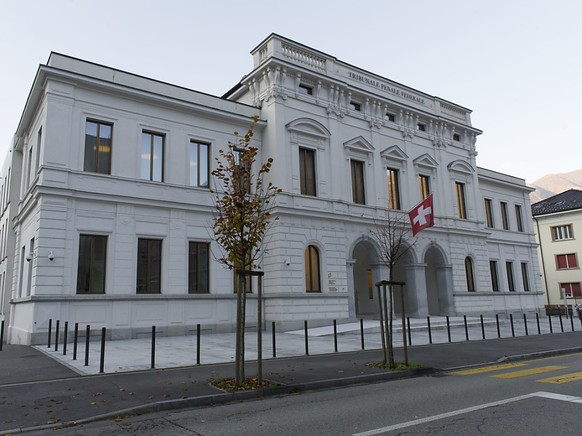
{"points": [[520, 398]]}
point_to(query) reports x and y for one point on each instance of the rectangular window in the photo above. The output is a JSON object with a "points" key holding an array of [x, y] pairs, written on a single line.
{"points": [[570, 289], [198, 271], [566, 261], [152, 156], [305, 89], [489, 213], [393, 189], [562, 232], [510, 280], [38, 144], [518, 218], [424, 182], [28, 170], [21, 274], [421, 127], [98, 141], [30, 266], [504, 217], [199, 164], [461, 200], [355, 106], [307, 171], [525, 276], [149, 266], [358, 189], [494, 275], [390, 117], [92, 264], [456, 137]]}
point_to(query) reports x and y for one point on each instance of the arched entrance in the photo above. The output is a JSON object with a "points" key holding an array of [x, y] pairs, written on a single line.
{"points": [[438, 280], [367, 270]]}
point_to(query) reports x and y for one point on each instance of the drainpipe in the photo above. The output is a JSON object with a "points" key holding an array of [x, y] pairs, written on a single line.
{"points": [[542, 256]]}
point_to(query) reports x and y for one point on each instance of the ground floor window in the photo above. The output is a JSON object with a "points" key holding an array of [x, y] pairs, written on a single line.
{"points": [[570, 289], [198, 268], [92, 264], [149, 266], [312, 282], [469, 274]]}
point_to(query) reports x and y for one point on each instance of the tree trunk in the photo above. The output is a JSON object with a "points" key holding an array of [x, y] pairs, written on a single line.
{"points": [[239, 357]]}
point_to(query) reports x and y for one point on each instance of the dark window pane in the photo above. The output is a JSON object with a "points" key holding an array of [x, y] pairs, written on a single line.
{"points": [[149, 266], [92, 263], [198, 267], [307, 171]]}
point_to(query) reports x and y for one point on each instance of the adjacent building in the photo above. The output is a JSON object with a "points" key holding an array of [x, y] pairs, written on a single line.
{"points": [[110, 215], [558, 220]]}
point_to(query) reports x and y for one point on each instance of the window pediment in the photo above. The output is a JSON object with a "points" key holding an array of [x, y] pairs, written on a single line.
{"points": [[308, 127], [359, 144], [394, 153], [426, 161], [460, 166]]}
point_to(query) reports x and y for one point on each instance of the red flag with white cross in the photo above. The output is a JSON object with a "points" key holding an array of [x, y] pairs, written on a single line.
{"points": [[422, 215]]}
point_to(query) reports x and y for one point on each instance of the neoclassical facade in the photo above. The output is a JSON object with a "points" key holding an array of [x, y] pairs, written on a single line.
{"points": [[113, 203]]}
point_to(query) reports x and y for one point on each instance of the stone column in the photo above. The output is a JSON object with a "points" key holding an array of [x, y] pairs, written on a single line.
{"points": [[416, 300], [445, 286], [351, 289]]}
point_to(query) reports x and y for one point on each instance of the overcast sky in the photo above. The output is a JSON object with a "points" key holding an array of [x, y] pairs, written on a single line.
{"points": [[516, 63]]}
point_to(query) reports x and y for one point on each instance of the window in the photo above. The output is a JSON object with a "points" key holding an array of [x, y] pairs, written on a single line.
{"points": [[307, 171], [456, 137], [504, 217], [494, 275], [355, 106], [28, 169], [489, 213], [393, 189], [30, 266], [198, 256], [199, 164], [421, 127], [461, 200], [518, 218], [390, 117], [424, 182], [152, 156], [525, 276], [98, 137], [149, 266], [358, 191], [469, 274], [312, 283], [562, 232], [21, 274], [92, 264], [570, 289], [566, 261], [305, 89], [38, 142], [510, 280]]}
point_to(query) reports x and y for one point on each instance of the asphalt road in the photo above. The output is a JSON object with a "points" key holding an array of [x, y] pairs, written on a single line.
{"points": [[533, 397]]}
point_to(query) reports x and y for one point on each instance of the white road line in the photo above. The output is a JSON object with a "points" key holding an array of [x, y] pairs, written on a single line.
{"points": [[548, 395]]}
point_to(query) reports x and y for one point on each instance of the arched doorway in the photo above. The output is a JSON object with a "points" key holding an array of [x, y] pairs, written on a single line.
{"points": [[367, 270], [438, 280]]}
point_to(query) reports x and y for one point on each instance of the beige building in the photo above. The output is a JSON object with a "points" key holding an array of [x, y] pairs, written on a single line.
{"points": [[558, 223]]}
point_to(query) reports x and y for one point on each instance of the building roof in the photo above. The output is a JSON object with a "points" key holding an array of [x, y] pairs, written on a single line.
{"points": [[567, 200]]}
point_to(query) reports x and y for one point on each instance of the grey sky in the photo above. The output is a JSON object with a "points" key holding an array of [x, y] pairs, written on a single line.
{"points": [[517, 64]]}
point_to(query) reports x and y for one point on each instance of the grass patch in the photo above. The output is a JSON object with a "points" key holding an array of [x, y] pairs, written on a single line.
{"points": [[249, 384], [399, 366]]}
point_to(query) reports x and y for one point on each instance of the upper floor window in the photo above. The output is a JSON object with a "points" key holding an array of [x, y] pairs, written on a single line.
{"points": [[312, 282], [98, 142], [566, 261], [38, 145], [518, 218], [358, 188], [510, 279], [570, 289], [28, 169], [390, 117], [305, 89], [489, 213], [91, 265], [307, 171], [354, 105], [393, 189], [149, 266], [152, 156], [424, 182], [469, 274], [562, 232], [199, 164], [504, 216], [494, 275], [421, 127], [456, 137], [461, 204], [198, 271]]}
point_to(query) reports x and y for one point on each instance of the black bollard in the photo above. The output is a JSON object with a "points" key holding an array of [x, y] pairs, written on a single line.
{"points": [[197, 344], [102, 360], [448, 328], [335, 335], [65, 338], [87, 339], [409, 331], [429, 330], [306, 339], [1, 335], [57, 335], [466, 327], [482, 327], [538, 323], [362, 333], [572, 321], [273, 339], [561, 323], [511, 322], [49, 332], [75, 339], [498, 329], [525, 324], [550, 323], [153, 356]]}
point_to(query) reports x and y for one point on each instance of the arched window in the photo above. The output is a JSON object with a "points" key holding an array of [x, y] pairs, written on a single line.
{"points": [[469, 274], [312, 283]]}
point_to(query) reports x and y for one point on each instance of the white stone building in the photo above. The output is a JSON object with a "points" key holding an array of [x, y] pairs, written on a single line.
{"points": [[112, 210]]}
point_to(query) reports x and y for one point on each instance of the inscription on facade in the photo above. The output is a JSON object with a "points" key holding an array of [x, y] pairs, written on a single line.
{"points": [[385, 87]]}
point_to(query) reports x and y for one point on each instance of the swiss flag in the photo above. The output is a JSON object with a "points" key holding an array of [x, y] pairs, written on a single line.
{"points": [[422, 215]]}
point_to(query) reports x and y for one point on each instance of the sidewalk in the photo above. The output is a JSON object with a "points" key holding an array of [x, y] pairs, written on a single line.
{"points": [[36, 391]]}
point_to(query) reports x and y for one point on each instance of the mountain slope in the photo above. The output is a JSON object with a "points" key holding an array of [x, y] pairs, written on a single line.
{"points": [[553, 184]]}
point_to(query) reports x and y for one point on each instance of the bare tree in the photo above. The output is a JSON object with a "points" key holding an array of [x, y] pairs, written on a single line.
{"points": [[243, 208], [393, 235]]}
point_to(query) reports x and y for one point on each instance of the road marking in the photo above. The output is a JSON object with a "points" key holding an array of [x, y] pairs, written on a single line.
{"points": [[548, 395], [531, 371], [488, 368], [566, 378]]}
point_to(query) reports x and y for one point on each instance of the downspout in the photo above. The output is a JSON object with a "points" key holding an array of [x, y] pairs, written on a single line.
{"points": [[542, 256]]}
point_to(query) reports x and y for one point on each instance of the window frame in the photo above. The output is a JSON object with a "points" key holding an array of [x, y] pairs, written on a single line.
{"points": [[489, 217], [150, 270], [152, 135], [91, 253], [461, 200], [494, 272], [195, 284], [358, 195], [198, 144], [525, 277], [519, 218], [568, 260], [393, 176], [562, 232], [98, 145], [424, 184], [573, 291], [305, 89], [510, 276], [469, 274], [504, 215], [307, 172], [312, 260]]}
